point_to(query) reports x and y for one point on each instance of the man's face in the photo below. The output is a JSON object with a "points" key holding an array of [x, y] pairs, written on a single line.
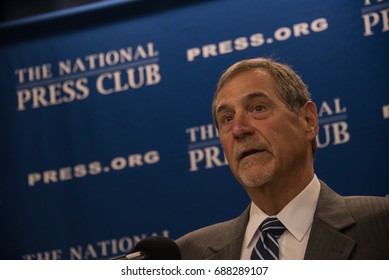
{"points": [[262, 139]]}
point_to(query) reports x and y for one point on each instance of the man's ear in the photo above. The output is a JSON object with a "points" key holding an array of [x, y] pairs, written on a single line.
{"points": [[311, 120]]}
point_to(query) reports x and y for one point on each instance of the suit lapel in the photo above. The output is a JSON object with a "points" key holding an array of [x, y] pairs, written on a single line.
{"points": [[229, 252], [326, 239], [230, 242]]}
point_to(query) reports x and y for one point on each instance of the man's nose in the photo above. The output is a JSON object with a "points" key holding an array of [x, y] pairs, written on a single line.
{"points": [[241, 126]]}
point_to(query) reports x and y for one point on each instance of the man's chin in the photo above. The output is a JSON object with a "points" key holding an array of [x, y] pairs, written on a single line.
{"points": [[254, 180]]}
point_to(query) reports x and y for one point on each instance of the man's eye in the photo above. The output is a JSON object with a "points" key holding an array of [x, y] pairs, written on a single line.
{"points": [[227, 119], [224, 119], [258, 108]]}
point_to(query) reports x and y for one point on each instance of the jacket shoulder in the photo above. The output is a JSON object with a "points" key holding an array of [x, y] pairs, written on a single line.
{"points": [[368, 209], [206, 241]]}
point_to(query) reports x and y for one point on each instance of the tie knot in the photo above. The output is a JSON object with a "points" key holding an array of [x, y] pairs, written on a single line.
{"points": [[272, 226]]}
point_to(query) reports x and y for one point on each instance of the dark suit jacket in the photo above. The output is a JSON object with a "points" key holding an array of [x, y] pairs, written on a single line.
{"points": [[343, 228]]}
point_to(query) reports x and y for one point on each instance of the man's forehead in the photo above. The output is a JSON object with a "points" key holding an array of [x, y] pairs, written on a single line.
{"points": [[250, 95], [253, 79], [255, 74], [251, 83]]}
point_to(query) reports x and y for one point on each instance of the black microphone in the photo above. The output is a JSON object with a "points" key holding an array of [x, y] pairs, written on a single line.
{"points": [[154, 248]]}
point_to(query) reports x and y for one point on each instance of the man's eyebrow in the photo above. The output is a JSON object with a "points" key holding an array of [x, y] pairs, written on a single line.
{"points": [[254, 95], [223, 107], [250, 96]]}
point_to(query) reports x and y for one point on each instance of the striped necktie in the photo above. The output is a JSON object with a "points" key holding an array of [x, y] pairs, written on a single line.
{"points": [[267, 246]]}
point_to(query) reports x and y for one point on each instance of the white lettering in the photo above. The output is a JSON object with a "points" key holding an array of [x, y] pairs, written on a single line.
{"points": [[34, 73], [282, 34], [52, 94], [301, 29], [192, 133], [341, 135], [241, 43], [225, 47], [151, 157], [101, 248], [208, 157], [192, 53], [203, 132], [255, 40], [339, 132], [110, 58], [325, 109], [195, 156], [207, 132], [385, 20], [24, 96], [92, 168], [370, 20], [319, 25], [209, 50], [33, 178], [368, 2], [212, 157], [46, 255], [134, 78], [385, 111]]}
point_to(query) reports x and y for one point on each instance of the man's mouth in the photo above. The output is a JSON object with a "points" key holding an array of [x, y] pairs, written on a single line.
{"points": [[249, 153]]}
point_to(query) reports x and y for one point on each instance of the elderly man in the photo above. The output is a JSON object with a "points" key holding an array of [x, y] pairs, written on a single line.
{"points": [[268, 126]]}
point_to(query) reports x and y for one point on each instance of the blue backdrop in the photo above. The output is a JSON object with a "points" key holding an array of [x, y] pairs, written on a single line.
{"points": [[107, 134]]}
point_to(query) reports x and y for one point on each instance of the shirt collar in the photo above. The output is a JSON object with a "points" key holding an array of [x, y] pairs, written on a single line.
{"points": [[297, 215]]}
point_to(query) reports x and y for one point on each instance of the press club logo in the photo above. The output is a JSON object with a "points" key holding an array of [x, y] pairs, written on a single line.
{"points": [[204, 149], [120, 70], [375, 15], [333, 125]]}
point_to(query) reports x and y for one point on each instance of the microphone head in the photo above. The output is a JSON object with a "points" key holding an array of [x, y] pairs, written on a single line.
{"points": [[158, 248]]}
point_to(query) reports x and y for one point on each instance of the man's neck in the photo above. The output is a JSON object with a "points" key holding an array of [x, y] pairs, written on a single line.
{"points": [[272, 197]]}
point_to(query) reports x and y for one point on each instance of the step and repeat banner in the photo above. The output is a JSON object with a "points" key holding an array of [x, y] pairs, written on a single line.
{"points": [[106, 126]]}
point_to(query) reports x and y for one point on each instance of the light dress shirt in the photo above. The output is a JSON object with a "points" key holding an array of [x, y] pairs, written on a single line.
{"points": [[296, 216]]}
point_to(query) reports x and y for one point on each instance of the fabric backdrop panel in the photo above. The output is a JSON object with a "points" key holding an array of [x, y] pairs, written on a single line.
{"points": [[105, 113]]}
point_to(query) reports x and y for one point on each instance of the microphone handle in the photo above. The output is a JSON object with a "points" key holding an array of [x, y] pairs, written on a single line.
{"points": [[140, 255]]}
